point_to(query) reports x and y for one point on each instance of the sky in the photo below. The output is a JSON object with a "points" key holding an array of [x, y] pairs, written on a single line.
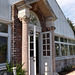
{"points": [[68, 8]]}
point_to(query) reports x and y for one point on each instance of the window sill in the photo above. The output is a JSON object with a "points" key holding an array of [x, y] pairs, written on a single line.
{"points": [[64, 57]]}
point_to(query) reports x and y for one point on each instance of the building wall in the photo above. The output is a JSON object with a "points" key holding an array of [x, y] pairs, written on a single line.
{"points": [[13, 1], [62, 27], [16, 37], [60, 64], [4, 9]]}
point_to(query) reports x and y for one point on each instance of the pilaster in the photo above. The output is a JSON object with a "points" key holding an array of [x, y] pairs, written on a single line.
{"points": [[23, 15]]}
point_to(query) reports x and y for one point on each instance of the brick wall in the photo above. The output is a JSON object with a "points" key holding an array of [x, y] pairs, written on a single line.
{"points": [[16, 38]]}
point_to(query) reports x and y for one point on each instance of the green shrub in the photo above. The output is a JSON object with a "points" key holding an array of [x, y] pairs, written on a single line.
{"points": [[19, 69], [68, 68]]}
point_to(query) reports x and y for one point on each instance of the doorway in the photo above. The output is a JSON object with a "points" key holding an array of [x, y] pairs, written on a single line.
{"points": [[34, 51]]}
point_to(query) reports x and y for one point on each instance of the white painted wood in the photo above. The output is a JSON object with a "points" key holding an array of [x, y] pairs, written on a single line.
{"points": [[14, 1], [34, 59], [29, 50], [61, 24], [9, 43], [46, 61], [4, 9]]}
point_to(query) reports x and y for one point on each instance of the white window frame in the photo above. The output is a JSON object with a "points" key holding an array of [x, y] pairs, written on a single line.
{"points": [[65, 43]]}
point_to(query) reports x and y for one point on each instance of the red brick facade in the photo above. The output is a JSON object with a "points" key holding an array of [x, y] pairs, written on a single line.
{"points": [[16, 38]]}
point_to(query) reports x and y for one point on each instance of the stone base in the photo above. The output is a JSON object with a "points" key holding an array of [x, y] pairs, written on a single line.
{"points": [[55, 73]]}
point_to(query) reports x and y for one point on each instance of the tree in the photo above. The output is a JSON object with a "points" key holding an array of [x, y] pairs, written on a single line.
{"points": [[71, 24]]}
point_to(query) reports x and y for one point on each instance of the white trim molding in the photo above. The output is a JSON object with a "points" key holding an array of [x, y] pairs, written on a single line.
{"points": [[4, 20]]}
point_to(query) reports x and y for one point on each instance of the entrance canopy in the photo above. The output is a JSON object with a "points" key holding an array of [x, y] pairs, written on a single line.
{"points": [[42, 4]]}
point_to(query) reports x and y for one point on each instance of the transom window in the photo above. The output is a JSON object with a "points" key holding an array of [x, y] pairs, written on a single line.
{"points": [[64, 46], [34, 19], [4, 41]]}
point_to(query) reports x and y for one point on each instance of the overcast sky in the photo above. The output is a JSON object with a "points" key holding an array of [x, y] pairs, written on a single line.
{"points": [[68, 7]]}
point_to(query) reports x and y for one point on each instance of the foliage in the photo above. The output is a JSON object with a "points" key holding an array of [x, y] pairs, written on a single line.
{"points": [[71, 24], [19, 69], [68, 68]]}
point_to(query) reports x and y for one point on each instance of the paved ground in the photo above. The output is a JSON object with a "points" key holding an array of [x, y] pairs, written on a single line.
{"points": [[71, 73]]}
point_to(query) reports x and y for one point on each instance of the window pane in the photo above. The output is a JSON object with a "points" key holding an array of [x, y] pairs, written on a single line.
{"points": [[3, 49], [70, 49], [74, 49], [31, 53], [48, 41], [3, 28], [48, 35], [69, 41], [48, 53], [56, 38], [65, 39], [31, 38], [57, 49], [31, 45], [61, 39], [44, 53], [44, 47], [44, 41], [66, 50], [62, 50]]}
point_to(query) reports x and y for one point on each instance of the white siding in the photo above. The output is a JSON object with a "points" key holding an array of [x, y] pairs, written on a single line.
{"points": [[4, 9], [62, 27], [13, 1]]}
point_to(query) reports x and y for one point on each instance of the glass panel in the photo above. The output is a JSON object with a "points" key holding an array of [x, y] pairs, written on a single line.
{"points": [[44, 53], [62, 50], [56, 38], [31, 53], [44, 47], [70, 49], [33, 19], [48, 41], [69, 40], [61, 39], [3, 28], [48, 35], [74, 49], [31, 45], [3, 49], [48, 47], [66, 50], [65, 40], [57, 49], [44, 41], [48, 53], [31, 38], [44, 36]]}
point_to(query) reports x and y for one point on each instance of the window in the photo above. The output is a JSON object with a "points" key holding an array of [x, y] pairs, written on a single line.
{"points": [[62, 50], [64, 46], [4, 41], [3, 49], [46, 44], [61, 39], [34, 19], [74, 49], [71, 49], [56, 38], [57, 49], [66, 50], [3, 28]]}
